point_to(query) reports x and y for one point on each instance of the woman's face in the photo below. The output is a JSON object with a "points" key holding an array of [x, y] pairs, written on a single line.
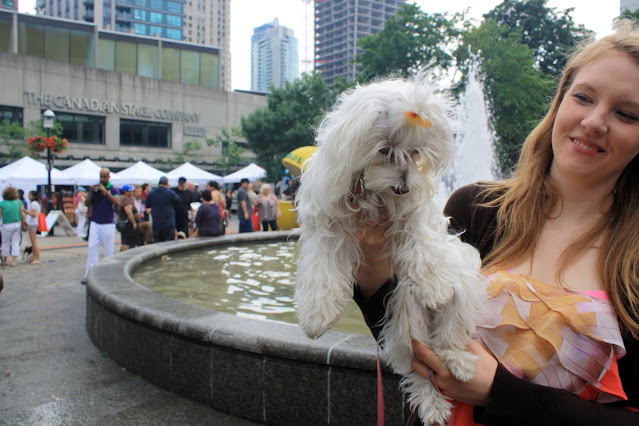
{"points": [[267, 192], [596, 131], [31, 197]]}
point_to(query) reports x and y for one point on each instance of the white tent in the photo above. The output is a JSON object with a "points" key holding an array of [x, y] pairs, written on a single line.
{"points": [[193, 174], [138, 173], [252, 172], [84, 173], [29, 172]]}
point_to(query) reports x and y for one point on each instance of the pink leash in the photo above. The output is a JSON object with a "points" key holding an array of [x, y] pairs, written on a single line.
{"points": [[380, 394]]}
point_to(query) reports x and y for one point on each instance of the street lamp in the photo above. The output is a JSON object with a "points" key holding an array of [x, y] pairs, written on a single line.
{"points": [[48, 119]]}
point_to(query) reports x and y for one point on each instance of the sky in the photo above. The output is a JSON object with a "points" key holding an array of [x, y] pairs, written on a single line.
{"points": [[246, 15]]}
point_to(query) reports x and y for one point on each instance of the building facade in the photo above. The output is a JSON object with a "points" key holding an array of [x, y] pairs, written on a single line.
{"points": [[274, 56], [339, 24], [204, 22], [121, 98]]}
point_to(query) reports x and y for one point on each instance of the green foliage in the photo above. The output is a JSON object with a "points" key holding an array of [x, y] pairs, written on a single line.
{"points": [[231, 151], [411, 40], [517, 92], [287, 122], [188, 153], [547, 32], [12, 139], [632, 15]]}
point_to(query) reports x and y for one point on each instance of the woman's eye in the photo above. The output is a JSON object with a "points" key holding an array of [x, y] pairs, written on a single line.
{"points": [[627, 116], [581, 97]]}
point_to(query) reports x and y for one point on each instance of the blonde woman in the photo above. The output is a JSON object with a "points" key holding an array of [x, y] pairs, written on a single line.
{"points": [[268, 208], [560, 249]]}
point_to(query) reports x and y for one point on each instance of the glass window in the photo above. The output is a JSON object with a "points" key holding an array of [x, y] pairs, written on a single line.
{"points": [[208, 70], [147, 60], [157, 18], [106, 54], [170, 64], [56, 44], [140, 3], [81, 48], [145, 133], [155, 31], [156, 4], [10, 114], [125, 57], [174, 34], [173, 20], [190, 68], [31, 40], [140, 15], [5, 35], [81, 128], [140, 28], [174, 7]]}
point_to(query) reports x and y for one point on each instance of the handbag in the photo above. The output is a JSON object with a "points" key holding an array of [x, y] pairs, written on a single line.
{"points": [[42, 223], [120, 224]]}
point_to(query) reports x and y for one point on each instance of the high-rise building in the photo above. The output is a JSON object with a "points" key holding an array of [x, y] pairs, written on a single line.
{"points": [[274, 56], [197, 21], [9, 4], [338, 26]]}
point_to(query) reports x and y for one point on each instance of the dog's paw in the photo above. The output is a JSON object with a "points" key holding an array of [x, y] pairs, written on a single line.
{"points": [[436, 412], [462, 364]]}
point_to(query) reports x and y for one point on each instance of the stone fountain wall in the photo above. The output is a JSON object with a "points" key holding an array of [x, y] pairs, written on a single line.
{"points": [[264, 371]]}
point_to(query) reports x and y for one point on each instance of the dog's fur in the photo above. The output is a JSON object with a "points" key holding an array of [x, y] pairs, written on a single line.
{"points": [[379, 133]]}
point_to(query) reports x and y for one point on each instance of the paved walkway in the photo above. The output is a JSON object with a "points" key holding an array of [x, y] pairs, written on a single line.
{"points": [[50, 371]]}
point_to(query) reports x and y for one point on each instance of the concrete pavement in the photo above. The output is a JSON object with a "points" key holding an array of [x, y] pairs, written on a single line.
{"points": [[50, 371]]}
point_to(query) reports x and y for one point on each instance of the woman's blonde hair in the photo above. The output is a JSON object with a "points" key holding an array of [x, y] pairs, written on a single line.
{"points": [[530, 191]]}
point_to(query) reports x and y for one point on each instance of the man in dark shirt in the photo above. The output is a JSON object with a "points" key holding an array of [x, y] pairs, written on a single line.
{"points": [[103, 199], [183, 207], [245, 208], [161, 204]]}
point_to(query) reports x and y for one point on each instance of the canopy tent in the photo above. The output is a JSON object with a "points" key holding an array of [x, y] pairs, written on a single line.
{"points": [[193, 174], [295, 161], [29, 172], [138, 173], [84, 173], [252, 172]]}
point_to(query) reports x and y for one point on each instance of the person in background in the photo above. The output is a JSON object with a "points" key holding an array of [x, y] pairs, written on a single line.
{"points": [[208, 219], [145, 190], [268, 208], [12, 212], [80, 211], [33, 220], [102, 199], [184, 206], [128, 211], [139, 204], [228, 200], [245, 207], [21, 198], [289, 193], [195, 194], [161, 204], [558, 241]]}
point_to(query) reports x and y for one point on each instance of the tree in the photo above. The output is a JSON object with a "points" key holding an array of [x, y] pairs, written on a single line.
{"points": [[547, 32], [287, 122], [231, 151], [518, 93], [13, 137], [629, 14], [411, 40]]}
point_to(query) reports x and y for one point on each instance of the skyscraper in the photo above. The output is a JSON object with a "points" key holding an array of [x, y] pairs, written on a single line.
{"points": [[631, 5], [198, 21], [274, 56], [338, 26]]}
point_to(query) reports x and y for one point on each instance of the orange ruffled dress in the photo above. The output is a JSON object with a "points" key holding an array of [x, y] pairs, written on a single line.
{"points": [[553, 337]]}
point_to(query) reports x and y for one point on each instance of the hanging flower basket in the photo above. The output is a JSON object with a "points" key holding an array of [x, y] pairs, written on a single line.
{"points": [[38, 144]]}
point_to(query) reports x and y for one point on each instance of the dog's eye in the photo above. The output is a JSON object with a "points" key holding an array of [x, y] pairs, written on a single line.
{"points": [[384, 151], [414, 153]]}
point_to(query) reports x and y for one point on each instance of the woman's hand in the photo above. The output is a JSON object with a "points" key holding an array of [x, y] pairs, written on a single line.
{"points": [[474, 392], [375, 268]]}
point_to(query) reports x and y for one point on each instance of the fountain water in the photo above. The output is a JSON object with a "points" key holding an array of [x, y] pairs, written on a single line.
{"points": [[474, 157]]}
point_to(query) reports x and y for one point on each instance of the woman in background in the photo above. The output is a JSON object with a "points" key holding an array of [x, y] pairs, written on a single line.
{"points": [[12, 217], [208, 219], [33, 216]]}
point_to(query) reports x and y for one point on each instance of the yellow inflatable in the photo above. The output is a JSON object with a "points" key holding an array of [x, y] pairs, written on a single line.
{"points": [[287, 219]]}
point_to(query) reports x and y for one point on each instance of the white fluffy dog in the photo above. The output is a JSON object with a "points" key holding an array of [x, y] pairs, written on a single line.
{"points": [[381, 152]]}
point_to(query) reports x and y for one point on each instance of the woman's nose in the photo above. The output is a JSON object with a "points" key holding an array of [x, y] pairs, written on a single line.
{"points": [[596, 120]]}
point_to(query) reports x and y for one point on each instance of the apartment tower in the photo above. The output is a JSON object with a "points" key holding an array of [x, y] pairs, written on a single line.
{"points": [[274, 56]]}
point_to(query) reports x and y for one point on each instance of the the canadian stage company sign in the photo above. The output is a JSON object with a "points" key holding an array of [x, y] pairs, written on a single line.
{"points": [[99, 106]]}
